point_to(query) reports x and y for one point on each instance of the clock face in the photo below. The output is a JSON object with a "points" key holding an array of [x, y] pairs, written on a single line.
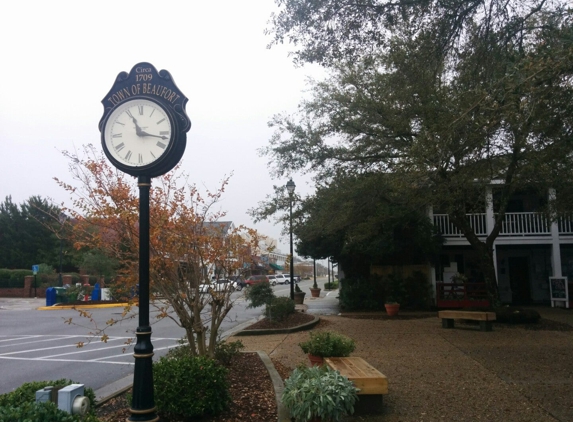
{"points": [[138, 133]]}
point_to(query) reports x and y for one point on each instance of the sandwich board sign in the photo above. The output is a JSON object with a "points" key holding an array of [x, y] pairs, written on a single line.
{"points": [[558, 290]]}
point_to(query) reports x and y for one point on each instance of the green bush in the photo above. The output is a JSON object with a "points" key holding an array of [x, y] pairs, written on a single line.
{"points": [[190, 387], [17, 405], [363, 294], [259, 294], [32, 412], [225, 351], [419, 291], [280, 308], [318, 392], [331, 286], [27, 392], [328, 344], [372, 293], [513, 315]]}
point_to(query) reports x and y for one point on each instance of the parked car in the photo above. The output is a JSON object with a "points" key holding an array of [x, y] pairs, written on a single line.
{"points": [[254, 279], [239, 281], [205, 287], [282, 279], [225, 284], [272, 279], [221, 285]]}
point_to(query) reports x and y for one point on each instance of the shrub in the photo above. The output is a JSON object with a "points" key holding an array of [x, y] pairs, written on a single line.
{"points": [[31, 411], [259, 294], [419, 291], [224, 351], [318, 392], [27, 392], [190, 386], [328, 344], [331, 286], [395, 288], [513, 315], [19, 405], [364, 294], [280, 308]]}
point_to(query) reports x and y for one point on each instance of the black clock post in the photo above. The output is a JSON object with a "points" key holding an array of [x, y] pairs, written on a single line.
{"points": [[144, 129]]}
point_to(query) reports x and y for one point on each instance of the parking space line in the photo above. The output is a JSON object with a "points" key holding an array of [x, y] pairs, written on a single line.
{"points": [[65, 360], [37, 341], [13, 338], [84, 350]]}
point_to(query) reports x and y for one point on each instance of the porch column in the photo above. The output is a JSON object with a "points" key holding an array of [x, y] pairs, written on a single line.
{"points": [[555, 248], [430, 211], [489, 223]]}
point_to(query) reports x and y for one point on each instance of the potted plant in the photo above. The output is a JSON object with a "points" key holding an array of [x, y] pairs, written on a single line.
{"points": [[315, 290], [392, 307], [318, 393], [298, 295], [395, 293], [325, 344]]}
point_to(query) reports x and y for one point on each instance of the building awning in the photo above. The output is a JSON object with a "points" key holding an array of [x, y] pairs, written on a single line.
{"points": [[276, 267]]}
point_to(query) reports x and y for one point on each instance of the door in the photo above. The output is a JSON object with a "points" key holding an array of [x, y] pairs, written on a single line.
{"points": [[519, 280]]}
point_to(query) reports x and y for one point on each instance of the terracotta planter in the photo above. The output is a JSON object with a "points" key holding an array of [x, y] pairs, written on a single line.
{"points": [[299, 298], [392, 308], [315, 292], [316, 360]]}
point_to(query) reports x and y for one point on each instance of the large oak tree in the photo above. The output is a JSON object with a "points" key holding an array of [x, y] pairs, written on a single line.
{"points": [[441, 97]]}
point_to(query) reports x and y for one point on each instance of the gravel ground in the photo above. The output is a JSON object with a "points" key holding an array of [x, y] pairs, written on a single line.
{"points": [[461, 374]]}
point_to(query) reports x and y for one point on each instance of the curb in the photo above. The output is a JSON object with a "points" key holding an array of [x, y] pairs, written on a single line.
{"points": [[278, 386], [57, 308], [269, 331]]}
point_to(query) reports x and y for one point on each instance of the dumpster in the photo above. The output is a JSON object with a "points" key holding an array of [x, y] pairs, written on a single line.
{"points": [[61, 296]]}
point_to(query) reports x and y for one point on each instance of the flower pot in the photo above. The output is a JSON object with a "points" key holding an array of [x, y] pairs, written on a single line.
{"points": [[315, 292], [299, 298], [392, 308], [316, 360]]}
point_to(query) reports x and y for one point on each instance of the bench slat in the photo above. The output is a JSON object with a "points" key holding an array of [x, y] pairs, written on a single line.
{"points": [[362, 374], [477, 316]]}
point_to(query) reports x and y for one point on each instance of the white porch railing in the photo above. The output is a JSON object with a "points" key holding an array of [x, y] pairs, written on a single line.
{"points": [[514, 224], [565, 224], [447, 228], [525, 224]]}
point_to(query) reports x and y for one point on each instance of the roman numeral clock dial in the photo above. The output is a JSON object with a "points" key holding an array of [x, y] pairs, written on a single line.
{"points": [[138, 133]]}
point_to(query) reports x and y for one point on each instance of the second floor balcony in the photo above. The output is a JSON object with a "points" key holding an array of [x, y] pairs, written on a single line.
{"points": [[515, 224]]}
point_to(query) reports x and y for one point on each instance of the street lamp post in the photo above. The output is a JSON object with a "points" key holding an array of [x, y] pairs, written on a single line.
{"points": [[62, 220], [290, 188]]}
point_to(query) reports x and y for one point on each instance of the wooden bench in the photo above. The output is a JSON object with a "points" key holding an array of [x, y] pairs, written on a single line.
{"points": [[485, 318], [371, 382]]}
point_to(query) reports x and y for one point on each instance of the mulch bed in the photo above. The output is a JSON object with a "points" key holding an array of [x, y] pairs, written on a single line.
{"points": [[252, 394], [293, 320], [251, 389]]}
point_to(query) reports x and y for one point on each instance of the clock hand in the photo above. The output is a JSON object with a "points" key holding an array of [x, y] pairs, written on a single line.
{"points": [[144, 133], [138, 130]]}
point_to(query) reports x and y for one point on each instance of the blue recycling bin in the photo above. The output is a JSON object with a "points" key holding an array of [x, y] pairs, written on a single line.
{"points": [[50, 296], [96, 292]]}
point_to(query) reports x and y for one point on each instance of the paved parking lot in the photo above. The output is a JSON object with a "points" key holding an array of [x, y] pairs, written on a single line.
{"points": [[64, 348]]}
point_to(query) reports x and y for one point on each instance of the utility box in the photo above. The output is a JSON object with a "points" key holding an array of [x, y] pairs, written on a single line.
{"points": [[44, 395], [71, 399], [105, 294]]}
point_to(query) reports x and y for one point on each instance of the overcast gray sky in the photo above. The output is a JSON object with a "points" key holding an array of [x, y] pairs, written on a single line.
{"points": [[60, 58]]}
